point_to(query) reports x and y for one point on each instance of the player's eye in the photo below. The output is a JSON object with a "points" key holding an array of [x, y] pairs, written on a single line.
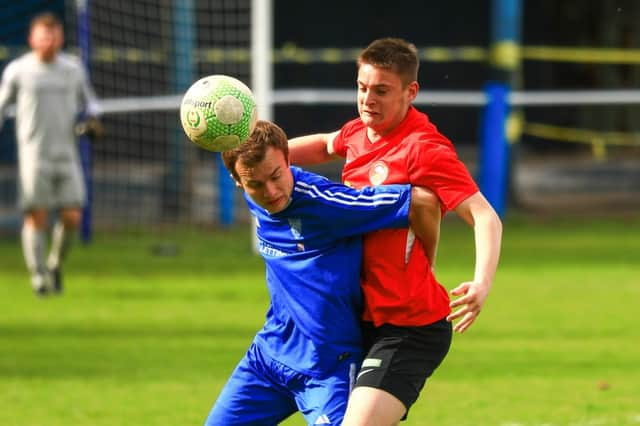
{"points": [[254, 185]]}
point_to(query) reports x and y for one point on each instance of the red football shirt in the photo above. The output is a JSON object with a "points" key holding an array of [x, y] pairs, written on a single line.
{"points": [[398, 284]]}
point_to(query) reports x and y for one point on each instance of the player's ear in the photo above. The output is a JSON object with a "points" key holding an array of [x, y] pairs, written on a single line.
{"points": [[238, 184], [412, 90]]}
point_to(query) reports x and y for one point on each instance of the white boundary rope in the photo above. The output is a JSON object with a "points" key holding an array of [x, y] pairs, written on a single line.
{"points": [[432, 98]]}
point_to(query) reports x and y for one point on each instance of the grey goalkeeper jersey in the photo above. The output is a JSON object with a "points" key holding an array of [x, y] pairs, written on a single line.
{"points": [[48, 99]]}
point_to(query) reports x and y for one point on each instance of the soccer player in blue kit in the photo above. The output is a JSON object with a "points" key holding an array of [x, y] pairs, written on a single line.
{"points": [[309, 233]]}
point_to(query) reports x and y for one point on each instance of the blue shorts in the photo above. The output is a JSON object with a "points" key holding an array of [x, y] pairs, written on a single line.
{"points": [[263, 392]]}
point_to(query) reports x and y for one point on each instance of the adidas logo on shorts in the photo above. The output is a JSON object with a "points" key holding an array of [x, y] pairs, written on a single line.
{"points": [[323, 420]]}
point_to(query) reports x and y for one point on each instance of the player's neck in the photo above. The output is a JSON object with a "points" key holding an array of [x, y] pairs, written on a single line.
{"points": [[46, 58], [377, 135], [373, 135]]}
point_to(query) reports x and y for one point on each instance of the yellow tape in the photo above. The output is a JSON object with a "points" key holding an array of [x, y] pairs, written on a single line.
{"points": [[134, 55], [471, 53], [331, 56], [577, 135], [104, 54], [506, 55], [599, 149], [514, 126], [438, 54], [239, 55], [212, 56], [582, 55], [292, 53]]}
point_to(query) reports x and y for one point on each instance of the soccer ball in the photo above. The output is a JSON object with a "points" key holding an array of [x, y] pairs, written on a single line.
{"points": [[218, 112]]}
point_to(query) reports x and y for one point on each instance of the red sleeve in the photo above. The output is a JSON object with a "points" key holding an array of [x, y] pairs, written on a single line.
{"points": [[339, 148], [437, 167], [347, 131]]}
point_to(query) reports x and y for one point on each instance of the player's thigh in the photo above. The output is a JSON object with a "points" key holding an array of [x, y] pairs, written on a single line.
{"points": [[35, 187], [324, 400], [250, 398], [69, 189], [373, 407]]}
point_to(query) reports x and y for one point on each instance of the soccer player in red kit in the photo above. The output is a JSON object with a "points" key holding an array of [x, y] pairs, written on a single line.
{"points": [[408, 314]]}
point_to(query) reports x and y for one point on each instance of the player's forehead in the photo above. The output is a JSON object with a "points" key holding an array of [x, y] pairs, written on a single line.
{"points": [[273, 164], [42, 28], [43, 32], [371, 76]]}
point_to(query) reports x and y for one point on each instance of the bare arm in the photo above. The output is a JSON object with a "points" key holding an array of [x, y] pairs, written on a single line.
{"points": [[479, 214], [424, 217], [312, 149]]}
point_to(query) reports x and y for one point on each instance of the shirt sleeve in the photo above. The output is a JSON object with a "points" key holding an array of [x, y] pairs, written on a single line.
{"points": [[89, 100], [437, 167], [347, 211], [338, 146], [7, 91]]}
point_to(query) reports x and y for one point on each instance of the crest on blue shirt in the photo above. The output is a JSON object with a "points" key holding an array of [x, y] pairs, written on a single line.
{"points": [[296, 230]]}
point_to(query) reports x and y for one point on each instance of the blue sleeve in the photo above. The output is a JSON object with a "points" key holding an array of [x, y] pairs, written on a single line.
{"points": [[347, 211]]}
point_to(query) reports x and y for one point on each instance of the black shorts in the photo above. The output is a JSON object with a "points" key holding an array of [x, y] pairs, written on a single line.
{"points": [[400, 359]]}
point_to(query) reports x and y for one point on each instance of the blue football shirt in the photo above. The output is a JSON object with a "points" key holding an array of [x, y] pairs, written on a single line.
{"points": [[312, 251]]}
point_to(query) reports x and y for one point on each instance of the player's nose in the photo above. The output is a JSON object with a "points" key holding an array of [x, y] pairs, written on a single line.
{"points": [[368, 97], [270, 191]]}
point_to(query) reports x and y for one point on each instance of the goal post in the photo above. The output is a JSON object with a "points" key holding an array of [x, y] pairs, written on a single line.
{"points": [[84, 47], [262, 67]]}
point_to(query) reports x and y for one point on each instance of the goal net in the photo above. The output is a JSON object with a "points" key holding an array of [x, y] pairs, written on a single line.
{"points": [[144, 54]]}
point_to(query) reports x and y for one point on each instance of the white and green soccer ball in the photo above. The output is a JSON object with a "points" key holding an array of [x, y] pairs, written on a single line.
{"points": [[218, 112]]}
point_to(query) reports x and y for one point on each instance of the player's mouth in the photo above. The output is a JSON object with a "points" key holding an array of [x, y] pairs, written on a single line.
{"points": [[273, 204]]}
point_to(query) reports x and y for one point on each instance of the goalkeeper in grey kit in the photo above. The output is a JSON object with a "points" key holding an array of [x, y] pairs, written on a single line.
{"points": [[50, 90]]}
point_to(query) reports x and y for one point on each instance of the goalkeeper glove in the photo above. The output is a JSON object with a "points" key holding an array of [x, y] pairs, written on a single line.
{"points": [[90, 127]]}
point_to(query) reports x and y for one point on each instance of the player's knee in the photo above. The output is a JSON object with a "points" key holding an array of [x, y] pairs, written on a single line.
{"points": [[36, 219], [71, 218]]}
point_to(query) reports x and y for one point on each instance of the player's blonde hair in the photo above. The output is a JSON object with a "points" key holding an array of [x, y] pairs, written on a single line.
{"points": [[394, 54], [252, 151]]}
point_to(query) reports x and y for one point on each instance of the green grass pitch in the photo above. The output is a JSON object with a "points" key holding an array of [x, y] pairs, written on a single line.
{"points": [[142, 339]]}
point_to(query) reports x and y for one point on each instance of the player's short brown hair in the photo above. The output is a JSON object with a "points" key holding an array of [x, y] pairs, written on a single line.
{"points": [[46, 19], [394, 54], [252, 151]]}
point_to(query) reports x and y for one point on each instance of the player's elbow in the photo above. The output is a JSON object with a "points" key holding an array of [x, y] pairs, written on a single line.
{"points": [[488, 219]]}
